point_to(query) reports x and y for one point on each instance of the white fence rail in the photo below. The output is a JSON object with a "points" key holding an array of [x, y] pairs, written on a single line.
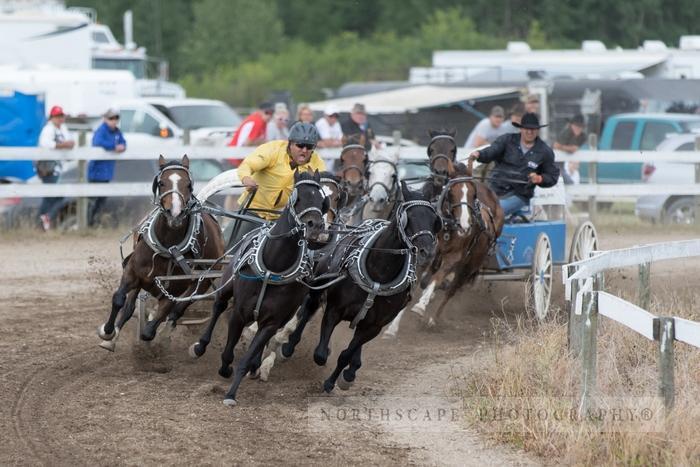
{"points": [[592, 192], [584, 284]]}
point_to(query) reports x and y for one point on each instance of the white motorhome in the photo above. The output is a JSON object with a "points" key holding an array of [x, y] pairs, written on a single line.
{"points": [[50, 36]]}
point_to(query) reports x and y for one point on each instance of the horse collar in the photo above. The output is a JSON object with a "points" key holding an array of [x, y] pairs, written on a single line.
{"points": [[189, 243]]}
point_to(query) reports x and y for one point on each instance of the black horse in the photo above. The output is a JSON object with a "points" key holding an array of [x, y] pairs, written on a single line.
{"points": [[379, 265], [265, 276]]}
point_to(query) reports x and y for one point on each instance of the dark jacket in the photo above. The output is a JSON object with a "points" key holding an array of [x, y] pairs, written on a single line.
{"points": [[108, 139], [512, 164], [352, 129]]}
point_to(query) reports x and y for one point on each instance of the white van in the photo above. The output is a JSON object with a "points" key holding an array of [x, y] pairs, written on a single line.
{"points": [[150, 121]]}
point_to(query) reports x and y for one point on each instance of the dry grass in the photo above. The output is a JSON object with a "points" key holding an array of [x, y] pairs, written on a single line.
{"points": [[530, 362]]}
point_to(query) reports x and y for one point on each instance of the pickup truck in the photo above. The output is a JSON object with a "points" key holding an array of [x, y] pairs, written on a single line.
{"points": [[637, 132]]}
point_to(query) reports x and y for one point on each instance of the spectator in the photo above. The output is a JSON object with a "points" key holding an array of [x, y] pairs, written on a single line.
{"points": [[329, 129], [516, 115], [305, 114], [54, 135], [357, 126], [109, 137], [251, 131], [532, 104], [571, 138], [277, 127], [488, 129]]}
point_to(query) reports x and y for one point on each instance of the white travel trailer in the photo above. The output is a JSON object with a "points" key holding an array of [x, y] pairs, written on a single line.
{"points": [[50, 36]]}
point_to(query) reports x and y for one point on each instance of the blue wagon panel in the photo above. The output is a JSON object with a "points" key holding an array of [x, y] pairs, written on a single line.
{"points": [[516, 245]]}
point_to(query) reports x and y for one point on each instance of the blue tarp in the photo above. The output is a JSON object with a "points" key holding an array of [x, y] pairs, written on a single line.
{"points": [[21, 120]]}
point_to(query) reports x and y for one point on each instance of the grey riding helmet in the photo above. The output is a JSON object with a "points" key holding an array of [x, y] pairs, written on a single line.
{"points": [[304, 133]]}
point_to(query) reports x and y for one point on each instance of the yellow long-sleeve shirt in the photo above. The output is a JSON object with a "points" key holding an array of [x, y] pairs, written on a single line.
{"points": [[269, 167]]}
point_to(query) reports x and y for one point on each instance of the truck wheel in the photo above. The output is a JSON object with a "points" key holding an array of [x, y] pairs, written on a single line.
{"points": [[681, 211]]}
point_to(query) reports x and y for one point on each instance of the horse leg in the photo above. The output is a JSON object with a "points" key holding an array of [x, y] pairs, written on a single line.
{"points": [[220, 303], [126, 314], [308, 308], [393, 328], [451, 291], [165, 305], [256, 347], [349, 374], [195, 289], [235, 328], [427, 295], [128, 282], [361, 336], [331, 318]]}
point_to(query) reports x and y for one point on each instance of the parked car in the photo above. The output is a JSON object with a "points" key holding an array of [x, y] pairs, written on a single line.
{"points": [[670, 209], [637, 132], [151, 121]]}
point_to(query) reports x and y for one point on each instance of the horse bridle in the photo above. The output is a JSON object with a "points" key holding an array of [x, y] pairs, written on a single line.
{"points": [[157, 193], [362, 170], [342, 197], [438, 157], [402, 219], [299, 225], [394, 184]]}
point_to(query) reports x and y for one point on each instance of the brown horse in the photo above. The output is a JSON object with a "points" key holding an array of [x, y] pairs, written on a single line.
{"points": [[174, 232], [354, 166], [473, 222]]}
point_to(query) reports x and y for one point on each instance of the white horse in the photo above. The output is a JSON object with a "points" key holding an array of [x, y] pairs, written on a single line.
{"points": [[383, 185]]}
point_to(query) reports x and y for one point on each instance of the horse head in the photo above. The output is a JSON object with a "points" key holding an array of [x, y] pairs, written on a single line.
{"points": [[354, 162], [383, 181], [442, 152], [172, 190], [308, 204], [419, 223], [336, 195]]}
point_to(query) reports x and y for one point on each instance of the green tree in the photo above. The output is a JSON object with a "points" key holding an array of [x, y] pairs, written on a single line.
{"points": [[230, 32]]}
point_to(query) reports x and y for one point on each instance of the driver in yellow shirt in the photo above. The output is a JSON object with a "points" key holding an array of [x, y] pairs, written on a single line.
{"points": [[270, 171]]}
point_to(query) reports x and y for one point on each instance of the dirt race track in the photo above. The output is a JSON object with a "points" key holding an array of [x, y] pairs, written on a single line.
{"points": [[65, 401]]}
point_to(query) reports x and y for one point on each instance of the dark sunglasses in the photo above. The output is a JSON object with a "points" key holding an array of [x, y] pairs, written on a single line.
{"points": [[310, 147], [116, 117]]}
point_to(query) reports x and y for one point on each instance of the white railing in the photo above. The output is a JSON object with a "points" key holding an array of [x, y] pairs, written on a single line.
{"points": [[592, 192], [584, 283]]}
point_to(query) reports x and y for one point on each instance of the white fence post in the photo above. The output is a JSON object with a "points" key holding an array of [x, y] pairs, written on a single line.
{"points": [[589, 352], [82, 204], [644, 286], [665, 333]]}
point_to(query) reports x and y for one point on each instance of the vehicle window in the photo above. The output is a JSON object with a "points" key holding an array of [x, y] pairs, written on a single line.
{"points": [[413, 169], [687, 147], [654, 133], [691, 127], [622, 138], [144, 123], [126, 120], [100, 37], [204, 169], [201, 116]]}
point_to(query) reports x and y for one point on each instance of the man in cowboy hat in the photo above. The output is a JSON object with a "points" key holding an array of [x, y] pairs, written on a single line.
{"points": [[521, 162]]}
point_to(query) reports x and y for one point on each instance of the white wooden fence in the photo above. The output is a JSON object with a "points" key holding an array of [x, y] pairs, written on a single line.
{"points": [[584, 284]]}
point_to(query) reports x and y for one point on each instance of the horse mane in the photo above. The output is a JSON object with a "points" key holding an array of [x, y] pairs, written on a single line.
{"points": [[332, 176]]}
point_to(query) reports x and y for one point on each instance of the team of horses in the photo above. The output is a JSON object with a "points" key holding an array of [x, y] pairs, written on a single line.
{"points": [[352, 244]]}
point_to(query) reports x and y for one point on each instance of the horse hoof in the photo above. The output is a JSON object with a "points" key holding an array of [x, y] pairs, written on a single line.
{"points": [[344, 385], [328, 387], [280, 351], [254, 374], [228, 402], [418, 309], [147, 337], [196, 350], [388, 335], [320, 360], [103, 335], [225, 372], [430, 323], [108, 345]]}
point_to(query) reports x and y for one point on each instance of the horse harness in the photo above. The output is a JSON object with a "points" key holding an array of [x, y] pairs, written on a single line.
{"points": [[353, 258], [254, 247], [436, 157]]}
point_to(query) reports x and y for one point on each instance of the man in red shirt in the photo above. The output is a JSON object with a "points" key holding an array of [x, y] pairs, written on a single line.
{"points": [[251, 132]]}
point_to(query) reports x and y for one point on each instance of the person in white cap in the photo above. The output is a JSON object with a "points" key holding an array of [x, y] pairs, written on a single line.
{"points": [[329, 129]]}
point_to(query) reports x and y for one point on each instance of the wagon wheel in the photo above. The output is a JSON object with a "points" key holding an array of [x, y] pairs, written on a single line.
{"points": [[540, 283], [584, 241]]}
